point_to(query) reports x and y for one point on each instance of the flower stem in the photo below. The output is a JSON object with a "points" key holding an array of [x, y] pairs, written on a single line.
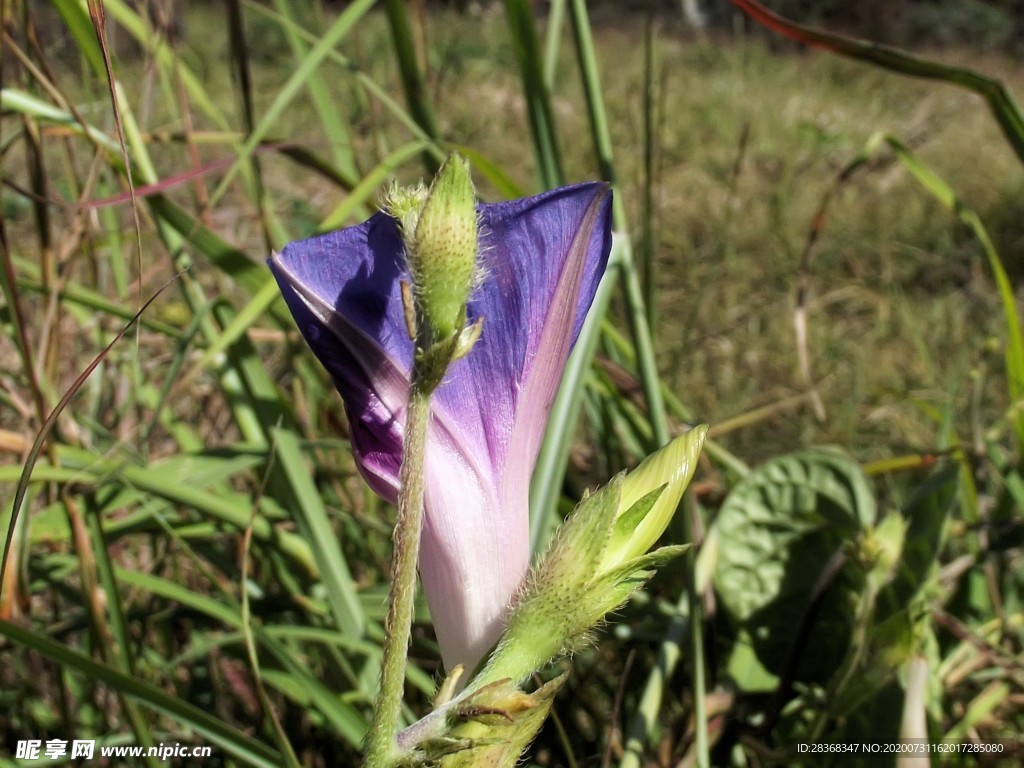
{"points": [[382, 750]]}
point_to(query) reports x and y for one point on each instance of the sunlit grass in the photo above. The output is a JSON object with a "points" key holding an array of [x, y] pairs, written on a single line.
{"points": [[175, 443]]}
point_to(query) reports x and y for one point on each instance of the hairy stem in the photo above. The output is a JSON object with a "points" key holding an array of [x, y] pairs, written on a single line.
{"points": [[382, 750]]}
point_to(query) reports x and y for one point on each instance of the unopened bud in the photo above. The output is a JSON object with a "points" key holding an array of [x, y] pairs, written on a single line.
{"points": [[642, 519], [404, 204], [443, 249], [596, 560]]}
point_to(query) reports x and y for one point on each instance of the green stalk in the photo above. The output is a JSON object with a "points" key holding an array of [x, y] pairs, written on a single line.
{"points": [[648, 370], [556, 18], [412, 78], [538, 102], [584, 40], [387, 711]]}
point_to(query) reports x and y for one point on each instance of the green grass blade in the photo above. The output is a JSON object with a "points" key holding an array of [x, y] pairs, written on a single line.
{"points": [[670, 653], [494, 173], [114, 619], [14, 100], [648, 261], [238, 326], [370, 184], [230, 509], [995, 93], [631, 282], [250, 751], [76, 17], [296, 82], [218, 611], [674, 405], [334, 125], [254, 398], [587, 58], [1014, 352], [373, 88], [312, 516], [170, 64], [343, 717], [233, 262], [538, 102], [413, 82], [552, 42]]}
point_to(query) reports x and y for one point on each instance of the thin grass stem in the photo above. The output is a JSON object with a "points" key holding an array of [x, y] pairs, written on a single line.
{"points": [[538, 102], [413, 82], [649, 377]]}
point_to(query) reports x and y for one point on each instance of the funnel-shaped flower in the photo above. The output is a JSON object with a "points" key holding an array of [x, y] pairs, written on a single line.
{"points": [[542, 258]]}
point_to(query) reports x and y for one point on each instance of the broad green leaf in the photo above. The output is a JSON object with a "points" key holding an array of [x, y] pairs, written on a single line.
{"points": [[777, 531]]}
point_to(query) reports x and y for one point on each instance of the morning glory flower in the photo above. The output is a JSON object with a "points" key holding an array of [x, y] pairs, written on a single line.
{"points": [[540, 261]]}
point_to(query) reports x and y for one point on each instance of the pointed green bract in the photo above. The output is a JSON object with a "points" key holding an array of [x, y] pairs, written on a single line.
{"points": [[498, 733]]}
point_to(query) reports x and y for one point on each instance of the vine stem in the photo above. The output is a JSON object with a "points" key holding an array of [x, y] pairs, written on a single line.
{"points": [[382, 747]]}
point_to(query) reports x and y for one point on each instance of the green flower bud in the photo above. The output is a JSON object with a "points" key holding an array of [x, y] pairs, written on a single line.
{"points": [[441, 240], [596, 560], [641, 519], [404, 204]]}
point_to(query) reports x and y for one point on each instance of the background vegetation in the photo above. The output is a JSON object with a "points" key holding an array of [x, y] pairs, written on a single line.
{"points": [[809, 255]]}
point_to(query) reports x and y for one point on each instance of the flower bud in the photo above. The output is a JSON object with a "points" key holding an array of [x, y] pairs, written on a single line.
{"points": [[442, 248], [638, 525], [404, 205], [596, 560]]}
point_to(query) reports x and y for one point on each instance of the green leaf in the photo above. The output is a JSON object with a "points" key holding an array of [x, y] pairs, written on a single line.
{"points": [[296, 82], [746, 668], [334, 124], [777, 530], [13, 100], [371, 184], [316, 526], [538, 101]]}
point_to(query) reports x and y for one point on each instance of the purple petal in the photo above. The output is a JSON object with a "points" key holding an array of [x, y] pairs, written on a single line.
{"points": [[543, 258], [343, 290]]}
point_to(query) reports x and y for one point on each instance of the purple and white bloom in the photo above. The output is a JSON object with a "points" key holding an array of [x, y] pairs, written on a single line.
{"points": [[541, 259]]}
